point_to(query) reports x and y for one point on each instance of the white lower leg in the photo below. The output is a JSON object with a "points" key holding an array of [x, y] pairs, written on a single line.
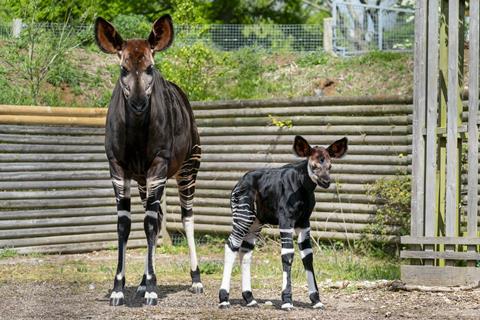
{"points": [[245, 262], [227, 268], [188, 226]]}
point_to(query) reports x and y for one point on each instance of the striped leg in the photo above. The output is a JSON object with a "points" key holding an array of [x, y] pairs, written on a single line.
{"points": [[286, 236], [242, 203], [245, 255], [156, 179], [306, 253], [142, 190], [186, 177], [121, 187]]}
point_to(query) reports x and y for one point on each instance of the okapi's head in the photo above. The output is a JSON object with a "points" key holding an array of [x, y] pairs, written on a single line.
{"points": [[320, 158], [136, 58]]}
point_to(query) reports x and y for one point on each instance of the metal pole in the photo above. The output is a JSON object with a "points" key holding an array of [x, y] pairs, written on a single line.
{"points": [[380, 29]]}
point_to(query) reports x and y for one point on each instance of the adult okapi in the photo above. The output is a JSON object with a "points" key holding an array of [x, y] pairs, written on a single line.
{"points": [[150, 136]]}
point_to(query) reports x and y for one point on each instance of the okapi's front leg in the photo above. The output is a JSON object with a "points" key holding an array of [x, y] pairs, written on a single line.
{"points": [[286, 236], [156, 179], [121, 186], [306, 253]]}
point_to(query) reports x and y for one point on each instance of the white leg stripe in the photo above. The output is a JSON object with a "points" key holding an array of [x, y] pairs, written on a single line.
{"points": [[284, 282], [124, 213], [152, 214], [287, 230], [227, 268], [302, 234], [305, 252], [188, 226], [287, 251]]}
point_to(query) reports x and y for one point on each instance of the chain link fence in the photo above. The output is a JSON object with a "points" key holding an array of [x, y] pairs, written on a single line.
{"points": [[226, 37], [359, 28]]}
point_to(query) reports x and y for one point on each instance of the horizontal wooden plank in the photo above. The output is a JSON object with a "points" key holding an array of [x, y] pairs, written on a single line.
{"points": [[79, 238], [66, 230], [79, 247], [450, 255], [440, 240], [310, 120], [306, 130], [308, 110], [440, 276]]}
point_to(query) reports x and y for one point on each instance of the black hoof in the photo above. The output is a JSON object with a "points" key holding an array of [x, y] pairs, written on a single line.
{"points": [[151, 301], [224, 305], [196, 288], [140, 291]]}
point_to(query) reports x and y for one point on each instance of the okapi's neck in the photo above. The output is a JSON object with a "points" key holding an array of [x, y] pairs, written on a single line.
{"points": [[137, 126], [307, 182]]}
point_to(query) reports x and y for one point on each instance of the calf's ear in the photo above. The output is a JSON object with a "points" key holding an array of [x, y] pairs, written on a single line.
{"points": [[338, 148], [161, 36], [301, 147], [108, 39]]}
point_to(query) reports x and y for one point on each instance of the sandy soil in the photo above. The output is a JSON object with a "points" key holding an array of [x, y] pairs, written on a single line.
{"points": [[73, 301]]}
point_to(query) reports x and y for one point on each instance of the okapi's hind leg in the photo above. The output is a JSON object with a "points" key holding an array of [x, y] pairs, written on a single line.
{"points": [[186, 178], [243, 214]]}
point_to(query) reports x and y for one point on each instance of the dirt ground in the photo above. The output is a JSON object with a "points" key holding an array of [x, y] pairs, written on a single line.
{"points": [[83, 300]]}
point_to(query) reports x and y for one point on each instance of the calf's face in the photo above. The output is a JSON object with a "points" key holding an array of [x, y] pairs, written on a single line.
{"points": [[320, 158], [136, 58]]}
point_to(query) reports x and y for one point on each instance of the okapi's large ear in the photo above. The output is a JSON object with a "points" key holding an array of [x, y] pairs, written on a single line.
{"points": [[107, 38], [301, 147], [338, 148], [161, 36]]}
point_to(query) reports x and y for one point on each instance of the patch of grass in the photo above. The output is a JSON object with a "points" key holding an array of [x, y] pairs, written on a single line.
{"points": [[172, 264], [8, 253]]}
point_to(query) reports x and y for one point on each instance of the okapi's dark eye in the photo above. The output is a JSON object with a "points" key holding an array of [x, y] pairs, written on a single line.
{"points": [[322, 160], [149, 69], [123, 71]]}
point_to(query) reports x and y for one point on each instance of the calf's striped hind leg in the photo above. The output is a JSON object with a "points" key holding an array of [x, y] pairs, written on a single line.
{"points": [[186, 178], [245, 255], [243, 214]]}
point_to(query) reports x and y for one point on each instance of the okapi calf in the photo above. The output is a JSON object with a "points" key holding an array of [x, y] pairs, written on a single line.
{"points": [[285, 197], [150, 136]]}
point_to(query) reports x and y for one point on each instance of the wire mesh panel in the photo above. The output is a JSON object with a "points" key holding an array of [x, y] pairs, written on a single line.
{"points": [[360, 28], [272, 37]]}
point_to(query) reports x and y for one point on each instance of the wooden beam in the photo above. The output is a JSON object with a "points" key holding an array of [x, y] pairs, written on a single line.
{"points": [[441, 240], [418, 147], [473, 104], [452, 122], [440, 276], [449, 255]]}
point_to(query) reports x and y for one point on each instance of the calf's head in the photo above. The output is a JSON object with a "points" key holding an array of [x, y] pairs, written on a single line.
{"points": [[320, 158], [136, 58]]}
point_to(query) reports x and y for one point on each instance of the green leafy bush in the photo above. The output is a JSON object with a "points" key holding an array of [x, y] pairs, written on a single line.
{"points": [[132, 26], [393, 215]]}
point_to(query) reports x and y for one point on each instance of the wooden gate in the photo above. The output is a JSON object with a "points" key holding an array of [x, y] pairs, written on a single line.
{"points": [[443, 243]]}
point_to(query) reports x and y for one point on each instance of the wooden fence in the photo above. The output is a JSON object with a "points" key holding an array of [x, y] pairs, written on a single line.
{"points": [[443, 242], [56, 196]]}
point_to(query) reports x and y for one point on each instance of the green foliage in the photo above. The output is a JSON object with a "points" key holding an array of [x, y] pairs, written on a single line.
{"points": [[287, 123], [393, 215], [211, 267], [313, 59], [192, 68], [8, 253], [132, 26]]}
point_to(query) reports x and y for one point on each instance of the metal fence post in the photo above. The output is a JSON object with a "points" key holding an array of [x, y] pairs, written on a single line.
{"points": [[380, 29], [327, 35], [16, 27]]}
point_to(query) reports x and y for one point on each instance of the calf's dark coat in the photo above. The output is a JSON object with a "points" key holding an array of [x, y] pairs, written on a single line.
{"points": [[284, 197], [150, 136]]}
